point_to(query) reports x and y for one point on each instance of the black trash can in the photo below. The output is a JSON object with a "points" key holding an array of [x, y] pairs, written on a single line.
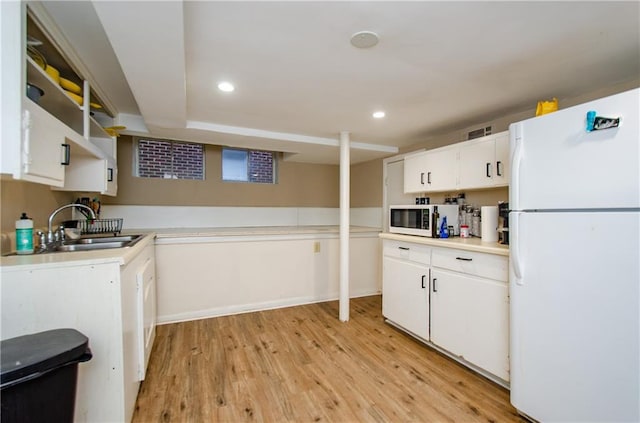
{"points": [[39, 375]]}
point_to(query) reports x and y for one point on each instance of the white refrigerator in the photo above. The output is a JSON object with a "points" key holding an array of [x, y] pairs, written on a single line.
{"points": [[574, 264]]}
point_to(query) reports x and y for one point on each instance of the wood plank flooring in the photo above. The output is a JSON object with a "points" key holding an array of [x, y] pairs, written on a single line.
{"points": [[301, 364]]}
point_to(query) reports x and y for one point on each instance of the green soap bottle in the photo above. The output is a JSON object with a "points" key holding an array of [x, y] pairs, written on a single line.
{"points": [[24, 235]]}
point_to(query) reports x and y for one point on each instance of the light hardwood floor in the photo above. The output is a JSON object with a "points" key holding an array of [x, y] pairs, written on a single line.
{"points": [[301, 364]]}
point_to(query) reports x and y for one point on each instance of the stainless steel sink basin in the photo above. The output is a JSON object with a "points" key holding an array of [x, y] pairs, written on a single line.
{"points": [[107, 239], [98, 242], [92, 246]]}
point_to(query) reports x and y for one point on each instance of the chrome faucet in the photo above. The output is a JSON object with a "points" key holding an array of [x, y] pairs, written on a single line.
{"points": [[50, 234]]}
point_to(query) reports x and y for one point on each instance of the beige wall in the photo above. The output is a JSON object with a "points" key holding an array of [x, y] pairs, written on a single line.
{"points": [[366, 184], [37, 200], [299, 185]]}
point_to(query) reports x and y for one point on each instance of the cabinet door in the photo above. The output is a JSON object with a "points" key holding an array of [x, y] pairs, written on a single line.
{"points": [[502, 168], [146, 289], [91, 174], [414, 173], [477, 164], [44, 146], [441, 166], [488, 326], [449, 300], [111, 178], [405, 295], [470, 318]]}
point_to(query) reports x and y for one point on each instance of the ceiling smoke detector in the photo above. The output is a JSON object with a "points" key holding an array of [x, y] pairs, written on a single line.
{"points": [[364, 39]]}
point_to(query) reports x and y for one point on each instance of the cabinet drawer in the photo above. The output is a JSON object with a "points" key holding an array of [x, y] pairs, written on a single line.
{"points": [[489, 266], [407, 251]]}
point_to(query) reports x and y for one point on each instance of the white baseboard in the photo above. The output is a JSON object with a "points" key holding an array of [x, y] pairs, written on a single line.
{"points": [[247, 308]]}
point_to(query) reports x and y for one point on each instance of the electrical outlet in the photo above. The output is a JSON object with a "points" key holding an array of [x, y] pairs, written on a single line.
{"points": [[316, 247]]}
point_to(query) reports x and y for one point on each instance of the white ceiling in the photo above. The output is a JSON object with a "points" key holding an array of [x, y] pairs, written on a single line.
{"points": [[439, 66]]}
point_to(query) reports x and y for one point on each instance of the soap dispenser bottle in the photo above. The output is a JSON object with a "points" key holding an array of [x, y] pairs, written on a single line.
{"points": [[24, 235]]}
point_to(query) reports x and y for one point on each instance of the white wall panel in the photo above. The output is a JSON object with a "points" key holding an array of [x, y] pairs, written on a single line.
{"points": [[220, 278], [157, 217]]}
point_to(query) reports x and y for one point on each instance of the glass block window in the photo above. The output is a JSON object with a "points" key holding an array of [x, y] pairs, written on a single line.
{"points": [[248, 166], [169, 159]]}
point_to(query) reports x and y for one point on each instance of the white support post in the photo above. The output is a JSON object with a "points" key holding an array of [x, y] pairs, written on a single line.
{"points": [[344, 225]]}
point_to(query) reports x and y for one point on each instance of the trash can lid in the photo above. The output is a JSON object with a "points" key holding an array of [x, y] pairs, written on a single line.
{"points": [[40, 352]]}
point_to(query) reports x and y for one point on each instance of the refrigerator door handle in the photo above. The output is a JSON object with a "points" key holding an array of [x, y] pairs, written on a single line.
{"points": [[515, 246], [516, 161]]}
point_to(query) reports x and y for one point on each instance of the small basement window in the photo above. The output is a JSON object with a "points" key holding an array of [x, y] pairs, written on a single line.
{"points": [[169, 159], [248, 166]]}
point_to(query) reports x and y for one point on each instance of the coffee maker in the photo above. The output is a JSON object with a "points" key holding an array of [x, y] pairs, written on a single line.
{"points": [[503, 223]]}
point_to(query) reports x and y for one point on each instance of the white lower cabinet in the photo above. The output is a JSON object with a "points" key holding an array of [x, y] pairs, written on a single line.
{"points": [[145, 275], [462, 307], [100, 300], [470, 319], [405, 295], [405, 286]]}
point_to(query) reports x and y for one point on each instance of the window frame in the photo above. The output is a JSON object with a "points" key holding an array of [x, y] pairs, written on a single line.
{"points": [[136, 158], [274, 166]]}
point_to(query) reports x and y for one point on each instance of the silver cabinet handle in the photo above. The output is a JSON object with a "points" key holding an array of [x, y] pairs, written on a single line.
{"points": [[464, 258], [404, 248], [429, 177], [488, 170], [499, 168], [434, 285], [423, 277]]}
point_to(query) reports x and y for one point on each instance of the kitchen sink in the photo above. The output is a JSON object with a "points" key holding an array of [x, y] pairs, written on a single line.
{"points": [[89, 247], [91, 243], [107, 239], [98, 242]]}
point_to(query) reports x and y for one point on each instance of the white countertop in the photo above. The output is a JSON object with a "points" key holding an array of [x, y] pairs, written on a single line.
{"points": [[112, 255], [124, 255], [468, 244]]}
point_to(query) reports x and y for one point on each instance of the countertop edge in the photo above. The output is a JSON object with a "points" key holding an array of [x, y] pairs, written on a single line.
{"points": [[467, 244]]}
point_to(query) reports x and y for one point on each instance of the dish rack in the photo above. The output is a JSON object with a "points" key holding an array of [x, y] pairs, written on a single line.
{"points": [[101, 226]]}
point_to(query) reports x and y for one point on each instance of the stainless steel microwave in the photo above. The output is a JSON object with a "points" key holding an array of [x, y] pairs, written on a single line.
{"points": [[416, 219]]}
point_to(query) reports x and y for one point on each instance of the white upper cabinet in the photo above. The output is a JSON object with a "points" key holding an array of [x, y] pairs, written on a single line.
{"points": [[479, 163], [52, 140], [484, 162], [433, 170], [414, 174]]}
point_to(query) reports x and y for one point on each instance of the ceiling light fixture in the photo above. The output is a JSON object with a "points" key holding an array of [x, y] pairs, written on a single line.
{"points": [[364, 39], [379, 114], [225, 86]]}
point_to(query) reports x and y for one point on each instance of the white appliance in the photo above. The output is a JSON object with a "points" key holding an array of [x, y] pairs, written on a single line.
{"points": [[418, 219], [574, 272]]}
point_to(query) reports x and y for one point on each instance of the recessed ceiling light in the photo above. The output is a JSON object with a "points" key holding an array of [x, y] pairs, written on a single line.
{"points": [[379, 114], [225, 86], [364, 39]]}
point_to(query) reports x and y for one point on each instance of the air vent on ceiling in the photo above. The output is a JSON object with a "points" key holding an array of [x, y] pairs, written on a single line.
{"points": [[477, 133]]}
